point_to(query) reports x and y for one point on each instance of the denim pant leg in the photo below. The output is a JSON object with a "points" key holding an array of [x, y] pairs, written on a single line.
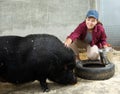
{"points": [[92, 52], [77, 45]]}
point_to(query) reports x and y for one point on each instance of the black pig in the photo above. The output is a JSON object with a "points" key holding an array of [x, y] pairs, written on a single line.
{"points": [[36, 57]]}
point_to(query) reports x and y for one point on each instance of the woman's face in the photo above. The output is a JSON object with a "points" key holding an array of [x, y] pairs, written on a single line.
{"points": [[91, 22]]}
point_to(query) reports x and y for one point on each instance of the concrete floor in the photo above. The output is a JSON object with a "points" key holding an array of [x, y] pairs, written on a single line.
{"points": [[110, 86]]}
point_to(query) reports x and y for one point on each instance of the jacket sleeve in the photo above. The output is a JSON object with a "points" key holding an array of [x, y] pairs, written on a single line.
{"points": [[77, 32], [103, 36]]}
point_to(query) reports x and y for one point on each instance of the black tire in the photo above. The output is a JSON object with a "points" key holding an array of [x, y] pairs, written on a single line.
{"points": [[94, 71]]}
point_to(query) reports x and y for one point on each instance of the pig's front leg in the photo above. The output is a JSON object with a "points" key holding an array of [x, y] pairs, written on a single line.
{"points": [[44, 85]]}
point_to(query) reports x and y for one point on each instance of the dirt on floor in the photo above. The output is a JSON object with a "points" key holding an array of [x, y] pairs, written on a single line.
{"points": [[110, 86]]}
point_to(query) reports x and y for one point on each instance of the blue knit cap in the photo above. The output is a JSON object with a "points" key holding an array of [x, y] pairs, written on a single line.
{"points": [[92, 13]]}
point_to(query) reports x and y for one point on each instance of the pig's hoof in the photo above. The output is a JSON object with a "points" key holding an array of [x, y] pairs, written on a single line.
{"points": [[46, 90]]}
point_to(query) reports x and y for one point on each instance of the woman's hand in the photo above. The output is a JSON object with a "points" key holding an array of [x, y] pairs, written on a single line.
{"points": [[68, 42]]}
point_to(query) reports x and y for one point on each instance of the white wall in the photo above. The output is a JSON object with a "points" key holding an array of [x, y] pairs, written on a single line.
{"points": [[57, 17], [109, 15]]}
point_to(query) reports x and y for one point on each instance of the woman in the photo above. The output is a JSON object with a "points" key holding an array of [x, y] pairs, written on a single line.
{"points": [[90, 34]]}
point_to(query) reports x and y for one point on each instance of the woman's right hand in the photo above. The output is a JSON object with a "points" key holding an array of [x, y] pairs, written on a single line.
{"points": [[68, 42]]}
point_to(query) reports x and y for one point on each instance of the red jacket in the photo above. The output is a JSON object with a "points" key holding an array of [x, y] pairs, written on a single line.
{"points": [[98, 34]]}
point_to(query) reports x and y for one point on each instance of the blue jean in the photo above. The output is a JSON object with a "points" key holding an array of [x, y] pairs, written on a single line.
{"points": [[92, 52]]}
